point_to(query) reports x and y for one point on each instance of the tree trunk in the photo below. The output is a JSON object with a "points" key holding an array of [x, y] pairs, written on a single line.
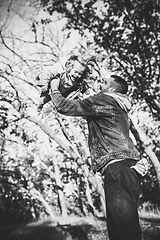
{"points": [[52, 135], [60, 189], [75, 154], [36, 194], [154, 160], [100, 190], [96, 182], [148, 150], [89, 198]]}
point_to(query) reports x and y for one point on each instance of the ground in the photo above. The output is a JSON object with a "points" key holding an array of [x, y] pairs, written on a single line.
{"points": [[72, 229]]}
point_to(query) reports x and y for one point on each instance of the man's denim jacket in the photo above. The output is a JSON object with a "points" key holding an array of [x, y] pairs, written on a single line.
{"points": [[108, 126]]}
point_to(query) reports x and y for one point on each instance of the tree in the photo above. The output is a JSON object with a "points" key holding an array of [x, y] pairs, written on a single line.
{"points": [[128, 31], [41, 39], [24, 53]]}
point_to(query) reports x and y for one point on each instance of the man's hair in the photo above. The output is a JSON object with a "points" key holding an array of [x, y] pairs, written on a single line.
{"points": [[120, 84]]}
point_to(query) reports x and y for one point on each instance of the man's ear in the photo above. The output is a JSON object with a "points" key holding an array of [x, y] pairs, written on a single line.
{"points": [[112, 89]]}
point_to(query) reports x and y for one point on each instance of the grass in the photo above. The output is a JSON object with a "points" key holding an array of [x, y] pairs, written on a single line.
{"points": [[68, 229], [150, 221], [149, 212], [75, 228]]}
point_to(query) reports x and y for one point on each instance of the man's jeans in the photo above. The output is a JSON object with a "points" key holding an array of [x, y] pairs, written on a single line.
{"points": [[122, 185]]}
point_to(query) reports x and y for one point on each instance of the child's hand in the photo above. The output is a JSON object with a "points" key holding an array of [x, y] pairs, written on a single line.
{"points": [[55, 84]]}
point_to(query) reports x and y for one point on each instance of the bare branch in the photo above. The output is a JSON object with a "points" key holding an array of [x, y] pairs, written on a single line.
{"points": [[3, 42]]}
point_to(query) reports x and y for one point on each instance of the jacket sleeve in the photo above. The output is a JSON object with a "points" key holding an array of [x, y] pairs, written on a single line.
{"points": [[74, 107]]}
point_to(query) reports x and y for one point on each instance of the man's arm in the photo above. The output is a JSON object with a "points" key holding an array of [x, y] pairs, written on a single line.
{"points": [[74, 107]]}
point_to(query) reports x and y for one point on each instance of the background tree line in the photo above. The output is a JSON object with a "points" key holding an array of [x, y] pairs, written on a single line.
{"points": [[45, 162]]}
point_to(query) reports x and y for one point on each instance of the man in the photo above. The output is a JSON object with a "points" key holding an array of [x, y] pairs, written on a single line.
{"points": [[112, 150]]}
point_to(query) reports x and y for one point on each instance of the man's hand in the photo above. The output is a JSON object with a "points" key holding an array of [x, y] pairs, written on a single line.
{"points": [[54, 84]]}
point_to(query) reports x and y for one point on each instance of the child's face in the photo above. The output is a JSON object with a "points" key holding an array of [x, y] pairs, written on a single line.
{"points": [[74, 71]]}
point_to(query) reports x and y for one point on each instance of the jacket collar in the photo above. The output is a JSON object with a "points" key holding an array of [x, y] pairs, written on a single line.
{"points": [[121, 99]]}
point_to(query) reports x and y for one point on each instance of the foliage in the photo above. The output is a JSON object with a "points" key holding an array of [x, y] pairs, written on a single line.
{"points": [[150, 188], [15, 204], [129, 33], [45, 158]]}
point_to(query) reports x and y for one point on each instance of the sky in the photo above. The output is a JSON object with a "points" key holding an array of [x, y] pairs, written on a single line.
{"points": [[16, 14]]}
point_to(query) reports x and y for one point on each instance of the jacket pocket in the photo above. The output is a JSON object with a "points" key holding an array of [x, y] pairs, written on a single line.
{"points": [[113, 170]]}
